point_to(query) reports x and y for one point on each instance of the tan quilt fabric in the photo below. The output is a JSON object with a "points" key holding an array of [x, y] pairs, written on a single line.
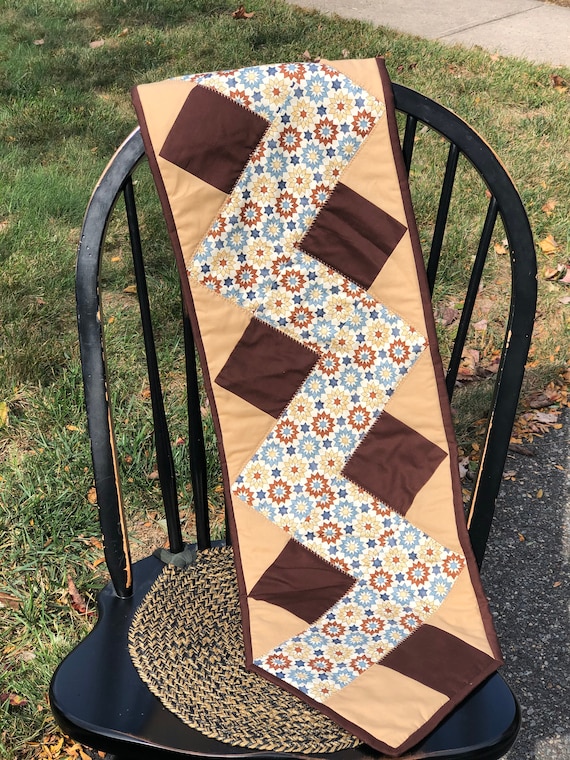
{"points": [[288, 207]]}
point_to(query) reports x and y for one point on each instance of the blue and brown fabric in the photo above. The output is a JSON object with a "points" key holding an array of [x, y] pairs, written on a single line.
{"points": [[287, 203]]}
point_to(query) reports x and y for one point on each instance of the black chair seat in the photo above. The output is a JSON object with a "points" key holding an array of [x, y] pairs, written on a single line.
{"points": [[108, 706]]}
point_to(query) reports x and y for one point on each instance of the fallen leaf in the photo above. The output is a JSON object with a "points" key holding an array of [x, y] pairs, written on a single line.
{"points": [[521, 537], [26, 656], [130, 289], [449, 315], [39, 42], [556, 584], [518, 448], [546, 417], [539, 493], [548, 245], [3, 414], [241, 12], [346, 53], [307, 55], [559, 84], [77, 601], [481, 325], [124, 32], [154, 475], [564, 300], [549, 206], [13, 699], [559, 273], [7, 600], [500, 249], [96, 44], [71, 428], [92, 495]]}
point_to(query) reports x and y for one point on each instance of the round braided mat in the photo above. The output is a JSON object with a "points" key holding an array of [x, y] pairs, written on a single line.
{"points": [[186, 643]]}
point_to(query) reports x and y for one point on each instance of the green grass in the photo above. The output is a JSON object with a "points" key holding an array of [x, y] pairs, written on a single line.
{"points": [[64, 108]]}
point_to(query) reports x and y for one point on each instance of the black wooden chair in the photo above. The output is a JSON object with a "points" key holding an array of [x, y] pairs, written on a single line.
{"points": [[96, 694]]}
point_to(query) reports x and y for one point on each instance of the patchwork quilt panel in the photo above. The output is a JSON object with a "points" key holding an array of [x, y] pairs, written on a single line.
{"points": [[287, 203]]}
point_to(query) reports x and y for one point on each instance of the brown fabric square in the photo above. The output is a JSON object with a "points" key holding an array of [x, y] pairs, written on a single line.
{"points": [[302, 583], [353, 236], [266, 367], [393, 462], [213, 138], [439, 660]]}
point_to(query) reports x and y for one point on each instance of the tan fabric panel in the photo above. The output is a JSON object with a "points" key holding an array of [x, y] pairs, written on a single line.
{"points": [[432, 509], [243, 425], [387, 704], [185, 191], [387, 287], [162, 103], [413, 402], [271, 626], [260, 540], [373, 175], [459, 615], [362, 71], [212, 311]]}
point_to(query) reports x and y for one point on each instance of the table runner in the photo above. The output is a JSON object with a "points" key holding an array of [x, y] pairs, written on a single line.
{"points": [[287, 203]]}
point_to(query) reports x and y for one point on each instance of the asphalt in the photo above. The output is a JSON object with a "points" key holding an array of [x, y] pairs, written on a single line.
{"points": [[526, 571]]}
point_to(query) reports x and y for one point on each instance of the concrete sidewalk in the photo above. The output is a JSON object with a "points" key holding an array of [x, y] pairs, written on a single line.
{"points": [[536, 31]]}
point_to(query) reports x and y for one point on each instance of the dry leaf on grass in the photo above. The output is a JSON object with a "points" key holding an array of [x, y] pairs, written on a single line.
{"points": [[548, 245], [559, 83], [549, 206], [77, 601], [7, 600], [96, 44], [559, 273], [241, 12], [14, 700]]}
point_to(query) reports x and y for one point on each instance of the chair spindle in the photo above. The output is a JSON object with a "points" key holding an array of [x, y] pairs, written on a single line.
{"points": [[164, 458]]}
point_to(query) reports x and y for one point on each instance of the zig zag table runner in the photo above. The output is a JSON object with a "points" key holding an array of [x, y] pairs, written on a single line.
{"points": [[287, 203]]}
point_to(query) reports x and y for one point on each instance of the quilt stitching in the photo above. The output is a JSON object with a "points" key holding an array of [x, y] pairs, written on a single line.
{"points": [[251, 255]]}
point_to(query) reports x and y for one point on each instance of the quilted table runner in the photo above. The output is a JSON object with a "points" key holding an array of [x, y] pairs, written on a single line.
{"points": [[287, 203]]}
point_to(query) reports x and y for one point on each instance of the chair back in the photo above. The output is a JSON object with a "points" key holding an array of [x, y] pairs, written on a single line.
{"points": [[461, 146]]}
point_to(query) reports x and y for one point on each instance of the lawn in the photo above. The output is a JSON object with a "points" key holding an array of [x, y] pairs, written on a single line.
{"points": [[65, 74]]}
